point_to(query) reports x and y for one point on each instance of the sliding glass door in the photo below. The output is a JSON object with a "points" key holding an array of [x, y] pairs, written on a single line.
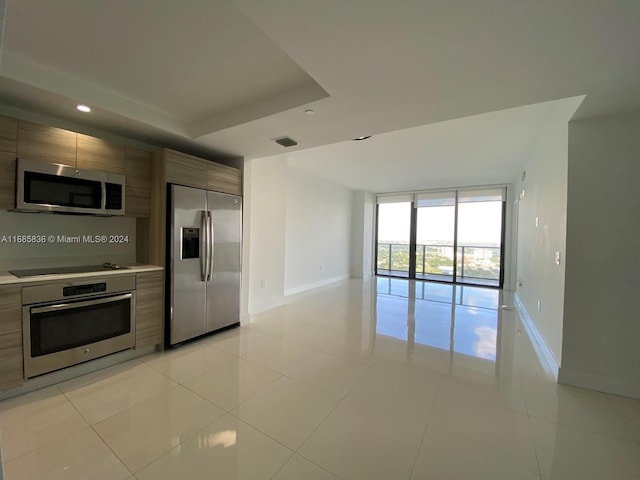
{"points": [[479, 254], [435, 234], [394, 236], [454, 236]]}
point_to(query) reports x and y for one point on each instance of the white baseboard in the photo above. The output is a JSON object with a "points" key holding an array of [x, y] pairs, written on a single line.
{"points": [[545, 355], [311, 286], [601, 383]]}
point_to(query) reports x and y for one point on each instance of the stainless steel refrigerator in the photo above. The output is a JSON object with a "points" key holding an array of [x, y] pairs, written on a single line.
{"points": [[204, 252]]}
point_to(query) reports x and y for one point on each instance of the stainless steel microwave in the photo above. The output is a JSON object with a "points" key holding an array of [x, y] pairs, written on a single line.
{"points": [[51, 187]]}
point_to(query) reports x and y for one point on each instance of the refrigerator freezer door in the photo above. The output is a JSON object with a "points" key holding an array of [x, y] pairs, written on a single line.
{"points": [[223, 289], [188, 249]]}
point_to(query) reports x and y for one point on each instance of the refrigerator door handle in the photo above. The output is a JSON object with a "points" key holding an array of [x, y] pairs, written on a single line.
{"points": [[211, 242], [204, 246]]}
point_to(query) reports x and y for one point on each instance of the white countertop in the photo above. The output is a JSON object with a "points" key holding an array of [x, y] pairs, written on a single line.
{"points": [[8, 279]]}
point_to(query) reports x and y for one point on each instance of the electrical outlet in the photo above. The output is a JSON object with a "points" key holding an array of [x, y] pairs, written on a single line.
{"points": [[557, 258]]}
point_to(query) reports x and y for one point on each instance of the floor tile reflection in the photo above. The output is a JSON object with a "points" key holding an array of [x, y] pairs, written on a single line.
{"points": [[226, 449], [458, 318], [148, 430]]}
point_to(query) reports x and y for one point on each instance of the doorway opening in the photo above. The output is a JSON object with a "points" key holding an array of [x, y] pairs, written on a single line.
{"points": [[453, 236]]}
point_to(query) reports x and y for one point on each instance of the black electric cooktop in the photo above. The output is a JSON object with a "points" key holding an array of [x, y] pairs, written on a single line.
{"points": [[105, 267]]}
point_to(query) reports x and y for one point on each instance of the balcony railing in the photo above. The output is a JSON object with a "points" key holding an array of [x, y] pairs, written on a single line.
{"points": [[473, 261]]}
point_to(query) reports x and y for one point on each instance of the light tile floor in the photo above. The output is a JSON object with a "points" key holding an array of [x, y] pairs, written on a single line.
{"points": [[386, 379]]}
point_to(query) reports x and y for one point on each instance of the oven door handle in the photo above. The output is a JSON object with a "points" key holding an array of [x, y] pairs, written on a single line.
{"points": [[71, 305]]}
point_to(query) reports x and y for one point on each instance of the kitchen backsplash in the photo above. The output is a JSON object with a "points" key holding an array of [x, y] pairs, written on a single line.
{"points": [[35, 240]]}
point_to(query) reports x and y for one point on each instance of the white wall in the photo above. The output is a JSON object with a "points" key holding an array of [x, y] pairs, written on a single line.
{"points": [[264, 232], [510, 238], [369, 238], [318, 232], [297, 232], [357, 233], [362, 233], [601, 345], [545, 199]]}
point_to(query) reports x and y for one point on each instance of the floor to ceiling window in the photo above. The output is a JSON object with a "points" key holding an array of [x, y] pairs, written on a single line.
{"points": [[454, 236]]}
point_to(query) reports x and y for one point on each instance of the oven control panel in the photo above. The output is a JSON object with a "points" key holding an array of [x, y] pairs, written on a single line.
{"points": [[84, 289], [52, 292]]}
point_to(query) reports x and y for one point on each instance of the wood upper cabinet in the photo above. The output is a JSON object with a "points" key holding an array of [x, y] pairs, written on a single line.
{"points": [[97, 154], [7, 180], [138, 169], [149, 308], [8, 140], [186, 170], [196, 172], [11, 370], [49, 144], [8, 135], [222, 178]]}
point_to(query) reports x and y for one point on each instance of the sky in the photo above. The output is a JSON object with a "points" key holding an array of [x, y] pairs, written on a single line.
{"points": [[478, 222]]}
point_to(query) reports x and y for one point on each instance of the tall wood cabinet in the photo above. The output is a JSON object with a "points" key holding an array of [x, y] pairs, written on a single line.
{"points": [[8, 146], [149, 308], [10, 337], [138, 169]]}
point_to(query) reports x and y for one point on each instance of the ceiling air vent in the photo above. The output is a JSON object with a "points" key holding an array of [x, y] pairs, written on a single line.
{"points": [[285, 141]]}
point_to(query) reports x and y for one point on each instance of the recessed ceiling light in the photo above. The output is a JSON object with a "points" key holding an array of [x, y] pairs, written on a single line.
{"points": [[309, 112], [83, 108], [357, 139]]}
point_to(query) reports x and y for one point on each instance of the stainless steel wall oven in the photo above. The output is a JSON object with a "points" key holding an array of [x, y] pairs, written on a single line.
{"points": [[68, 323]]}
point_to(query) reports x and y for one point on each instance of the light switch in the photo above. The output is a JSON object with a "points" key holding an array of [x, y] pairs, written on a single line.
{"points": [[537, 221], [557, 258]]}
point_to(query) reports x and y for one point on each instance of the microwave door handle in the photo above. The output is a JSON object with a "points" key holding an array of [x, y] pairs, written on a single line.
{"points": [[204, 242], [211, 242], [103, 203]]}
